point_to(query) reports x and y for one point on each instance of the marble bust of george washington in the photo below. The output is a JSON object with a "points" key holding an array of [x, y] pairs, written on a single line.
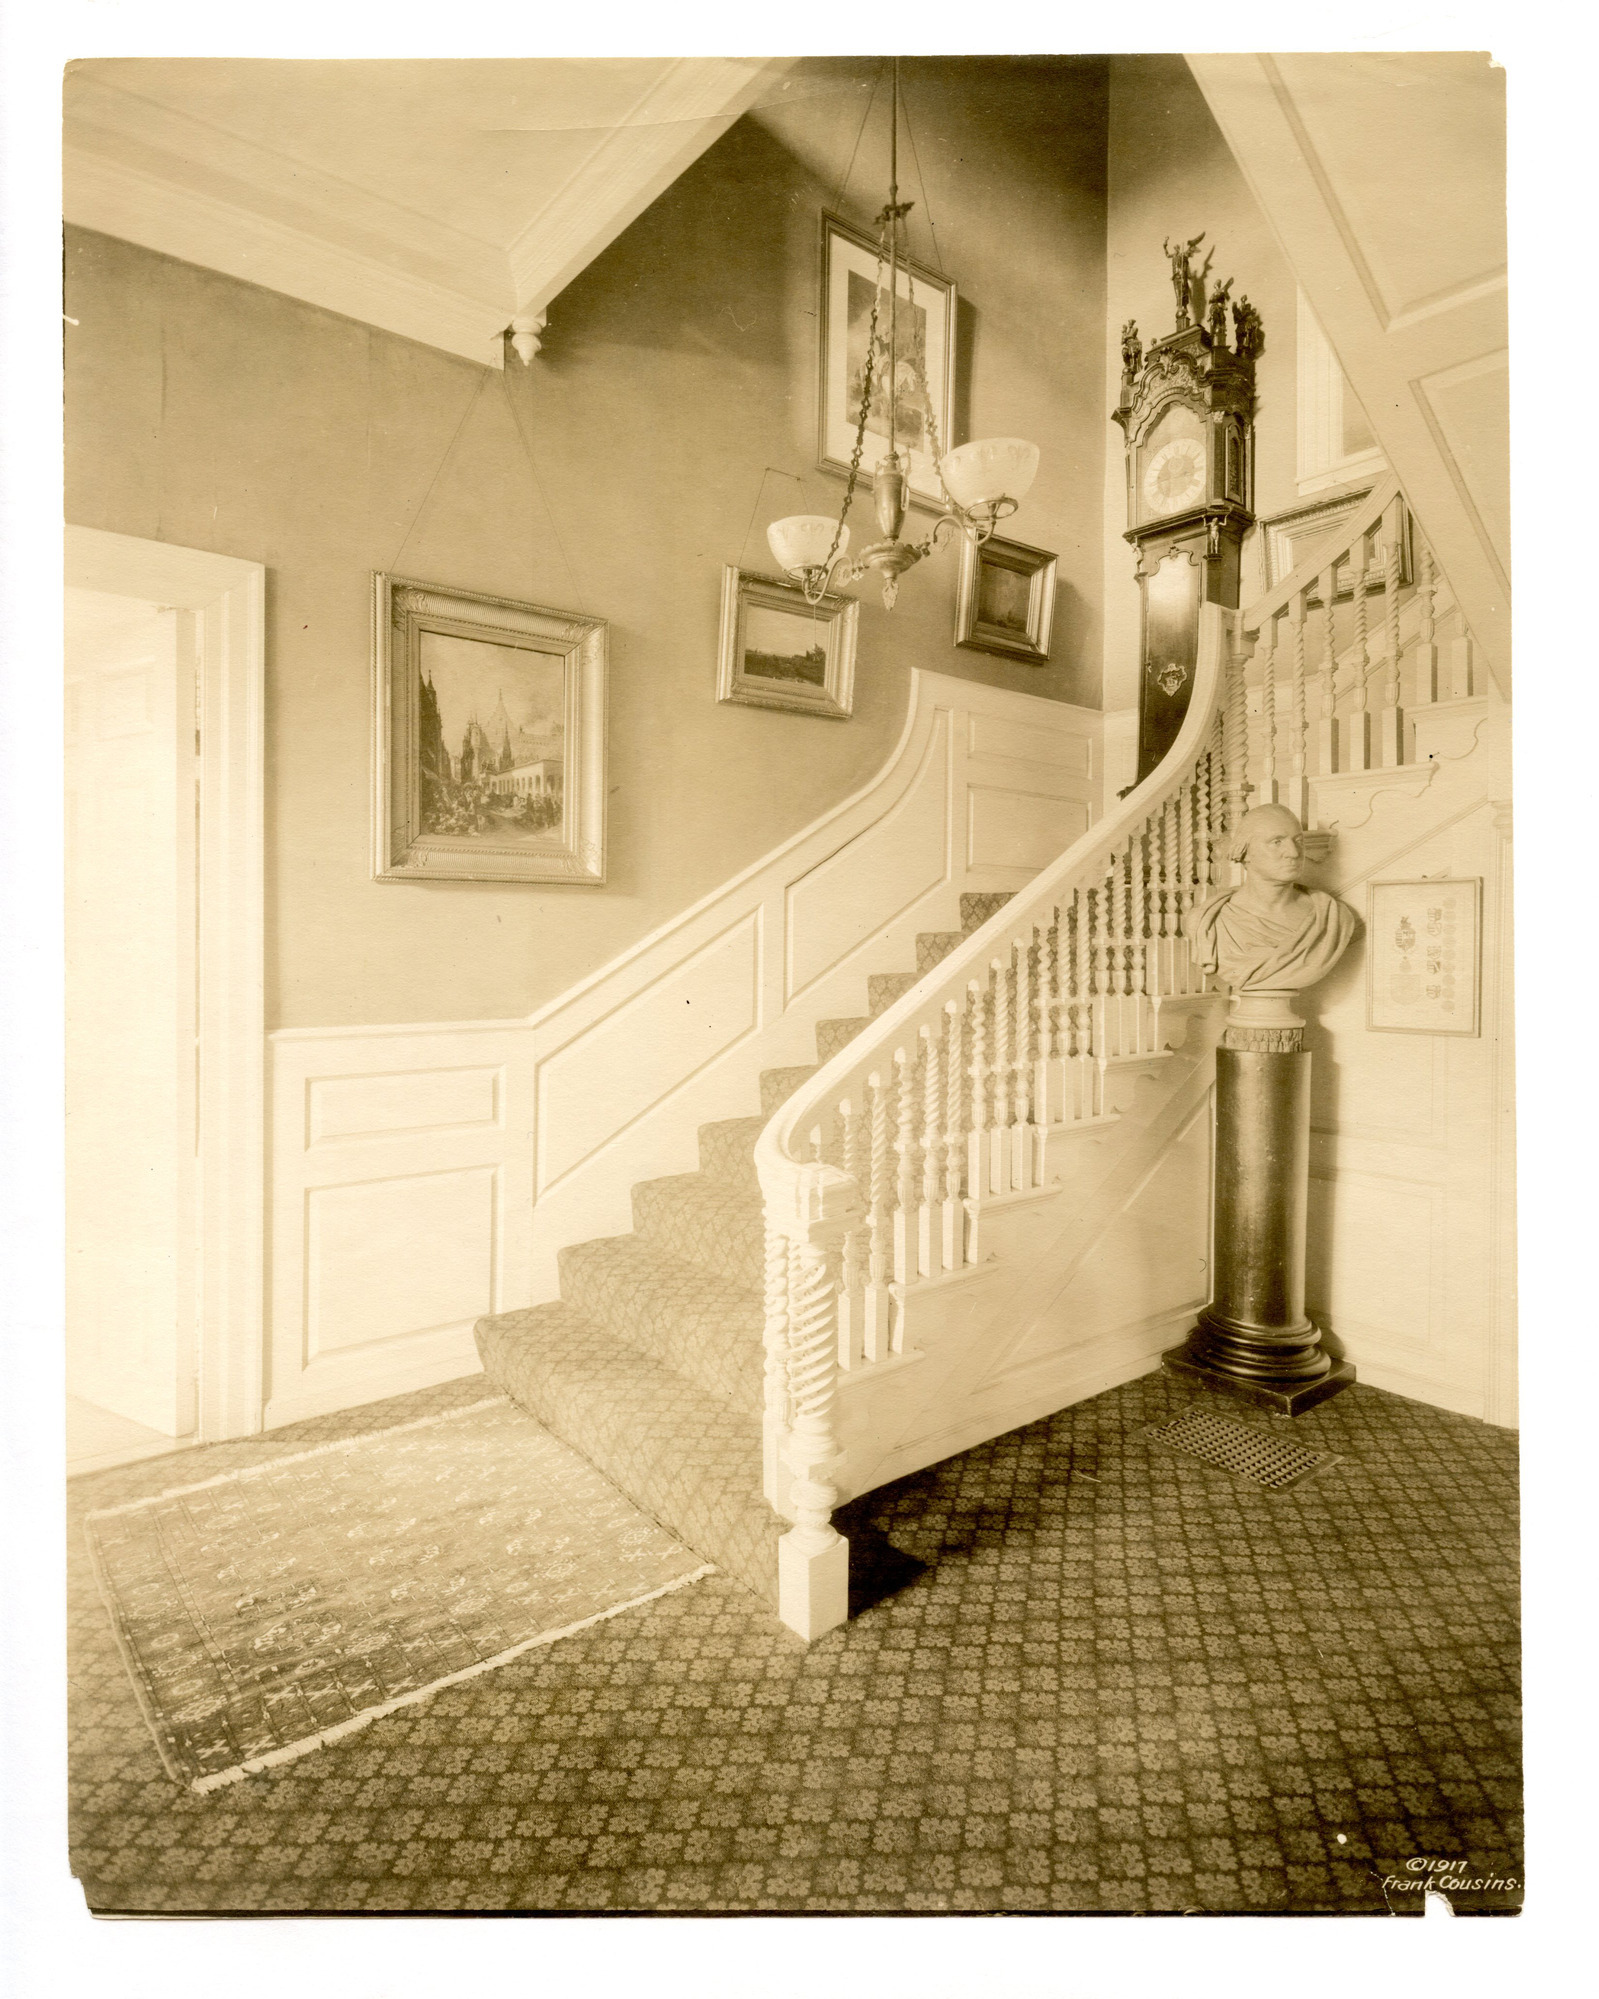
{"points": [[1269, 934]]}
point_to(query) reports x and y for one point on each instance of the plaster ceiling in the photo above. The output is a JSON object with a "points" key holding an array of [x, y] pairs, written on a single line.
{"points": [[435, 199]]}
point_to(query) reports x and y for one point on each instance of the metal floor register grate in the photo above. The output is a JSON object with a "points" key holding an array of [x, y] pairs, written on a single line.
{"points": [[1270, 1461]]}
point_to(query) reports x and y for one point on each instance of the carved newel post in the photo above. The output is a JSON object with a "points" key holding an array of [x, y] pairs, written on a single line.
{"points": [[1268, 939]]}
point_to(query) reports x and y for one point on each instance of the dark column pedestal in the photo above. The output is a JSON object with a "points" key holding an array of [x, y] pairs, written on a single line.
{"points": [[1254, 1340]]}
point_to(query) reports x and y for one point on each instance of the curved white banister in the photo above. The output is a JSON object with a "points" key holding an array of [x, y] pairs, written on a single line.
{"points": [[776, 1152], [880, 1172]]}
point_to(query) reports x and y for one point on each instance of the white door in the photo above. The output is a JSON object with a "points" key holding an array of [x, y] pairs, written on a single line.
{"points": [[131, 1045]]}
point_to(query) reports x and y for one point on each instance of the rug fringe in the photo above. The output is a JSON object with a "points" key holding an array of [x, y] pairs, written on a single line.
{"points": [[298, 1457], [292, 1751]]}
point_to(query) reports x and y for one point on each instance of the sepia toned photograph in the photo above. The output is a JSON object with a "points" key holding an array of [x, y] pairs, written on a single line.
{"points": [[674, 1313]]}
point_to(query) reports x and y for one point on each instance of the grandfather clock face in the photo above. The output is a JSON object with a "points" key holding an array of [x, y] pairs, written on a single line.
{"points": [[1171, 465]]}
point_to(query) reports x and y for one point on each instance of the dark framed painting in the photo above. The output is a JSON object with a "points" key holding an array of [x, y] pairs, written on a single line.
{"points": [[777, 651], [1006, 600], [489, 738], [925, 344]]}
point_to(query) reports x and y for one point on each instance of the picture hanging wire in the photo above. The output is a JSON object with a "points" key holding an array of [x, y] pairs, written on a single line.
{"points": [[549, 511], [772, 472], [860, 132], [449, 449]]}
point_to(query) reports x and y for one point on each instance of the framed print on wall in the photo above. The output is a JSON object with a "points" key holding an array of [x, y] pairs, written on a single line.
{"points": [[489, 738], [926, 344], [1423, 962], [1006, 600], [777, 651]]}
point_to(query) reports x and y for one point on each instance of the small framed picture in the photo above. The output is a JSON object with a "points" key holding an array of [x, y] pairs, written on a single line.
{"points": [[925, 351], [1423, 962], [1006, 600], [489, 738], [777, 651]]}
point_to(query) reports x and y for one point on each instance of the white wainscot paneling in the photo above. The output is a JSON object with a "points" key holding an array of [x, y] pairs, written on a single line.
{"points": [[401, 1206], [603, 1082], [1020, 830], [395, 1258], [861, 889], [1371, 1262], [372, 1107]]}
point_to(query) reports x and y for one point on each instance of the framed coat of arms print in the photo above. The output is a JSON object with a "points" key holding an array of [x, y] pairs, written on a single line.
{"points": [[488, 738]]}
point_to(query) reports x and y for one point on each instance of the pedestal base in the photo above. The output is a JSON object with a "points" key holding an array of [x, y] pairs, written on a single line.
{"points": [[1289, 1398]]}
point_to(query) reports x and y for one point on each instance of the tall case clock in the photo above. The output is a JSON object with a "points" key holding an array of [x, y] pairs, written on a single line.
{"points": [[1188, 410]]}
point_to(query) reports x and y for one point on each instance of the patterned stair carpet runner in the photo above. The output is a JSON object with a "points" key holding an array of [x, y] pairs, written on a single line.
{"points": [[652, 1360], [266, 1612]]}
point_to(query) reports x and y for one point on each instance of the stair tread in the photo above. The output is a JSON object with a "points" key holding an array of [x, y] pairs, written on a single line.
{"points": [[696, 1215], [685, 1316], [689, 1460]]}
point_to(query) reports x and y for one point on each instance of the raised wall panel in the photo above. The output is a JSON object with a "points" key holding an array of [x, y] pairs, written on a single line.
{"points": [[1029, 742], [1469, 405], [1374, 1244], [595, 1088], [397, 1257], [1021, 829], [1390, 1089], [862, 888], [415, 1101]]}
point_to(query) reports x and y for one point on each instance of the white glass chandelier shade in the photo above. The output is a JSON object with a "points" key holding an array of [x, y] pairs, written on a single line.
{"points": [[804, 541], [989, 469]]}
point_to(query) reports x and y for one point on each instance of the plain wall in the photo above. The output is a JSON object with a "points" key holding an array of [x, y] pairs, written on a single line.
{"points": [[1169, 174], [668, 418]]}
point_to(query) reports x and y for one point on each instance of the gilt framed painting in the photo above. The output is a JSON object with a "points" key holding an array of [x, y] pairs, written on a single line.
{"points": [[1006, 600], [1423, 961], [925, 352], [777, 651], [489, 738]]}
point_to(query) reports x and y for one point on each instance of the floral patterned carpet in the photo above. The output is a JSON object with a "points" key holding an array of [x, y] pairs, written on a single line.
{"points": [[1085, 1675], [267, 1611]]}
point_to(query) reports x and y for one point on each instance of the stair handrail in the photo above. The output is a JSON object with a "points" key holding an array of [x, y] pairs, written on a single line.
{"points": [[1308, 572], [1015, 1025]]}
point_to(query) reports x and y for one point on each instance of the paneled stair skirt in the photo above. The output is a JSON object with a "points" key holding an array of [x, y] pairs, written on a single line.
{"points": [[269, 1611], [651, 1362]]}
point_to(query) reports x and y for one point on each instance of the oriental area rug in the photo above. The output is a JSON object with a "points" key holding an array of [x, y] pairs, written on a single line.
{"points": [[271, 1610]]}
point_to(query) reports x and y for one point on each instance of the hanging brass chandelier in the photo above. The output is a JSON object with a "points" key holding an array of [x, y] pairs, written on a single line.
{"points": [[982, 483]]}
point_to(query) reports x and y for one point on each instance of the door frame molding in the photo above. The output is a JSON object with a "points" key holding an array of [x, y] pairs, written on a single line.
{"points": [[230, 597]]}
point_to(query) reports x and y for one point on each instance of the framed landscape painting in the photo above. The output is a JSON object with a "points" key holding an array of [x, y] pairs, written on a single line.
{"points": [[489, 738], [1006, 600], [925, 342], [777, 651]]}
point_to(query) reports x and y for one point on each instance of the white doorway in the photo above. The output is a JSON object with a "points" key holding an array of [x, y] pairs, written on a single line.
{"points": [[163, 988]]}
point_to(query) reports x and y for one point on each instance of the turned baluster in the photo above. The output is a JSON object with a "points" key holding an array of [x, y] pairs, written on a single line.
{"points": [[1140, 918], [1202, 872], [851, 1299], [1296, 800], [1109, 1002], [1268, 709], [1235, 725], [905, 1192], [1427, 689], [999, 1142], [929, 1247], [774, 1340], [876, 1330], [1082, 1012], [1327, 748], [1048, 1049], [952, 1233], [1388, 722], [977, 1137], [1357, 755]]}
